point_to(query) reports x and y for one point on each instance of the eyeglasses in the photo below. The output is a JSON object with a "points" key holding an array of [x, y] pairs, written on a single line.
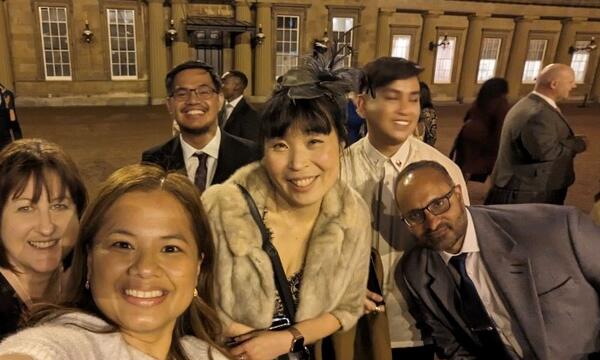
{"points": [[435, 207], [202, 92]]}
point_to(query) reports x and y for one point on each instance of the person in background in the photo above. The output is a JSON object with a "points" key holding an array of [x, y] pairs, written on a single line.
{"points": [[537, 145], [426, 129], [476, 146], [9, 124], [144, 269], [42, 197], [317, 225], [238, 117], [356, 125]]}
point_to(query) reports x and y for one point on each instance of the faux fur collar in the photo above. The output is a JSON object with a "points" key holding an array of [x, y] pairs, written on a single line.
{"points": [[340, 231]]}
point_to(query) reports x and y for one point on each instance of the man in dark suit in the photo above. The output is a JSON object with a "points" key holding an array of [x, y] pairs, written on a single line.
{"points": [[537, 145], [237, 117], [9, 125], [499, 282], [205, 153]]}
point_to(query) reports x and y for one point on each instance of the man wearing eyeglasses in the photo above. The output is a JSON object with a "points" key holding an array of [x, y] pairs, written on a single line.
{"points": [[499, 282], [201, 150]]}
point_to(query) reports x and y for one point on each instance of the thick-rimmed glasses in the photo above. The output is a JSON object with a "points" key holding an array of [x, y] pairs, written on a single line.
{"points": [[202, 92], [437, 206]]}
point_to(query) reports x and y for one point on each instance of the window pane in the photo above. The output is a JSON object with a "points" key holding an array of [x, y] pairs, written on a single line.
{"points": [[286, 43], [535, 57], [55, 42], [444, 61], [401, 46], [121, 24], [490, 50], [579, 62]]}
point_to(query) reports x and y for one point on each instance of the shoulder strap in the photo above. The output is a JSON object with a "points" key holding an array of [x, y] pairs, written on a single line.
{"points": [[280, 278]]}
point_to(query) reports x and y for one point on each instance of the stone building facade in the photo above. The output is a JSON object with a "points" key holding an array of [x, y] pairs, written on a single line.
{"points": [[49, 57]]}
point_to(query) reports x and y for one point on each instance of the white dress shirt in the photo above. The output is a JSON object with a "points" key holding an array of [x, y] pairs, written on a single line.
{"points": [[191, 162], [478, 273], [547, 99], [374, 176]]}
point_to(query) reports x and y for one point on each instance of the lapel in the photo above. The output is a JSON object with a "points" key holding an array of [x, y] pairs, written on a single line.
{"points": [[237, 110], [172, 158], [443, 287], [226, 164], [510, 270]]}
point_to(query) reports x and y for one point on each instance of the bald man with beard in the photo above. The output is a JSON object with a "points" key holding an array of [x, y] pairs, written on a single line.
{"points": [[537, 145]]}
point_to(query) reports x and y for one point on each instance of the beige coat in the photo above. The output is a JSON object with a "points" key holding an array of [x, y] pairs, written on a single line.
{"points": [[336, 264]]}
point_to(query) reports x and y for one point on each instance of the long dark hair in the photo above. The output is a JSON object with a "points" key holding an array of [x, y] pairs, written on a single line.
{"points": [[490, 91], [200, 319], [425, 96]]}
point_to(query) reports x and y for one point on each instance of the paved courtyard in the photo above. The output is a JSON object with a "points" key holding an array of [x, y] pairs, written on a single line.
{"points": [[102, 139]]}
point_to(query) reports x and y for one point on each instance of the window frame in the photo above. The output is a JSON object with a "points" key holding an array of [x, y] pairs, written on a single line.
{"points": [[581, 43], [109, 37], [68, 42], [413, 31], [410, 43]]}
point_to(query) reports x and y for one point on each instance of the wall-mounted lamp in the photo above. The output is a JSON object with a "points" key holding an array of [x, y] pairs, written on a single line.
{"points": [[591, 46], [87, 34], [260, 37], [442, 43], [171, 33], [325, 39]]}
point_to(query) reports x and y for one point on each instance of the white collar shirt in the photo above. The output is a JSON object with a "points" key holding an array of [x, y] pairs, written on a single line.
{"points": [[191, 162], [547, 99], [374, 176], [477, 271], [230, 105]]}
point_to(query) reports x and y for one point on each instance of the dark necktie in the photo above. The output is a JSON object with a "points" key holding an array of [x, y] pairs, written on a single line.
{"points": [[201, 171], [475, 314]]}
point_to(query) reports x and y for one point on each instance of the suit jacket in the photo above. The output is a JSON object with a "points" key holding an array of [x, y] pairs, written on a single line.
{"points": [[243, 122], [233, 154], [537, 147], [542, 259]]}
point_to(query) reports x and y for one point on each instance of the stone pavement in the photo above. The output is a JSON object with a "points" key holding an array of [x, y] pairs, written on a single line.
{"points": [[102, 139]]}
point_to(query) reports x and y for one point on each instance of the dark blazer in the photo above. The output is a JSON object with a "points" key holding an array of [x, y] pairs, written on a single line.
{"points": [[544, 262], [537, 147], [233, 154], [11, 308], [243, 122], [9, 129]]}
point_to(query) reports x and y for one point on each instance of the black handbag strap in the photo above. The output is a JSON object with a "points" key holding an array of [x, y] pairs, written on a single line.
{"points": [[280, 279]]}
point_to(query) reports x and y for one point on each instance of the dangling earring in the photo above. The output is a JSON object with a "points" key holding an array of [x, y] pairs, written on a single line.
{"points": [[195, 292], [87, 285]]}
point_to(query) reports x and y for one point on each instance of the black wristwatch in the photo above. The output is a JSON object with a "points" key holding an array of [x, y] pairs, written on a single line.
{"points": [[297, 341]]}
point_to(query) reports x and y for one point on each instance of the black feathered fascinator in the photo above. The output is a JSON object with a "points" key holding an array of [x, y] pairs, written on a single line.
{"points": [[322, 74]]}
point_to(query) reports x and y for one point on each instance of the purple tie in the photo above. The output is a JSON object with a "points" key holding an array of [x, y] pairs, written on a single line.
{"points": [[200, 177]]}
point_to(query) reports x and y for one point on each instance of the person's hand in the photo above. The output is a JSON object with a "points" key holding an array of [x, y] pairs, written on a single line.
{"points": [[370, 303], [265, 345]]}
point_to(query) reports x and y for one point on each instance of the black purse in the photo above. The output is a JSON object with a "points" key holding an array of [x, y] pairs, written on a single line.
{"points": [[281, 283]]}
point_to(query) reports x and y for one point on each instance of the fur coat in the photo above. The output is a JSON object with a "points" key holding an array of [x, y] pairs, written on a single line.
{"points": [[335, 268]]}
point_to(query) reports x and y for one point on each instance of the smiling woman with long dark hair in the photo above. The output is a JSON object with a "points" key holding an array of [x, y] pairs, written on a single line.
{"points": [[144, 266]]}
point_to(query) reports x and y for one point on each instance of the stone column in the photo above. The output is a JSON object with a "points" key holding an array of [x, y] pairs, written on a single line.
{"points": [[158, 52], [383, 31], [426, 58], [243, 50], [468, 76], [595, 85], [6, 71], [180, 47], [518, 54], [263, 61], [567, 38]]}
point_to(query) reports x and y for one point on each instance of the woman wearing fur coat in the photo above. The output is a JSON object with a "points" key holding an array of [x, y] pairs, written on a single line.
{"points": [[318, 225]]}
